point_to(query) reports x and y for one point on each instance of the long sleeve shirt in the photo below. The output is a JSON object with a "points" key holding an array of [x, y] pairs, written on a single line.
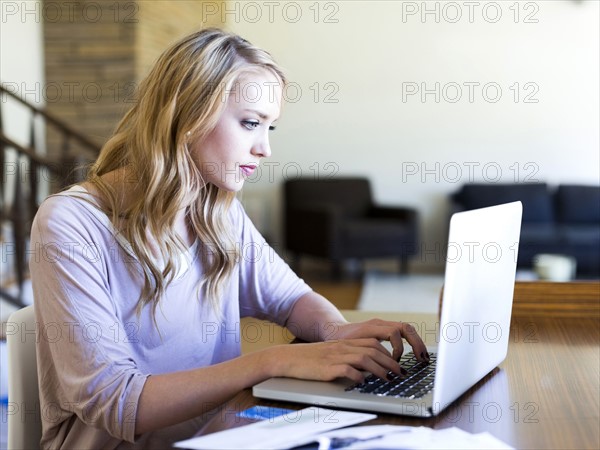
{"points": [[95, 353]]}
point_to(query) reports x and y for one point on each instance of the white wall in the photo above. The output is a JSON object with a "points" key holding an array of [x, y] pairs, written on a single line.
{"points": [[378, 50], [368, 52]]}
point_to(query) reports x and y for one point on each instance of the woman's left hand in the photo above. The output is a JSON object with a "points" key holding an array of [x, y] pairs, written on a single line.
{"points": [[384, 330]]}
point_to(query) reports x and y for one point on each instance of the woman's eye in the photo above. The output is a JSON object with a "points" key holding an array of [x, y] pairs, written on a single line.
{"points": [[250, 124]]}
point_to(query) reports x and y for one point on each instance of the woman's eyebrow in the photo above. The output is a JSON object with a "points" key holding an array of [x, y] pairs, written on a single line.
{"points": [[259, 113]]}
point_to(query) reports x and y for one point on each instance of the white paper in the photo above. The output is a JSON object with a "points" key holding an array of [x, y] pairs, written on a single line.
{"points": [[281, 432], [405, 437]]}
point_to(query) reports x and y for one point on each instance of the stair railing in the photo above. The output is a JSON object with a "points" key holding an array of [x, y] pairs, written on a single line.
{"points": [[22, 169]]}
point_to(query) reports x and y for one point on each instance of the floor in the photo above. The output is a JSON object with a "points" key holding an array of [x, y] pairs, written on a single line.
{"points": [[417, 293]]}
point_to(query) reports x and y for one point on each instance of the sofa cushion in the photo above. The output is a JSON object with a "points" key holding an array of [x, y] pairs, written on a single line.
{"points": [[536, 199], [588, 235], [578, 204], [539, 234]]}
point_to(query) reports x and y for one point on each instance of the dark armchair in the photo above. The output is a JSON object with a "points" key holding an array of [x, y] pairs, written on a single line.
{"points": [[336, 219]]}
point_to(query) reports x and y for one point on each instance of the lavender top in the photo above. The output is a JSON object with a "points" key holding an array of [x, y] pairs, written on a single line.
{"points": [[95, 354]]}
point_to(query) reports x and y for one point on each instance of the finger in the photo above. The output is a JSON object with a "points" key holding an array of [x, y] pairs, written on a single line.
{"points": [[370, 343], [387, 362], [388, 331], [347, 371], [397, 343], [419, 348], [399, 330], [376, 362], [367, 363]]}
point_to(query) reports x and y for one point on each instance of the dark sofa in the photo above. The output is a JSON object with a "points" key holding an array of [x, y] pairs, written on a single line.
{"points": [[562, 220]]}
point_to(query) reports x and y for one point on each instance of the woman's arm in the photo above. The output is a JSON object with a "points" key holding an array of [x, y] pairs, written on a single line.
{"points": [[168, 399], [340, 349], [175, 397], [347, 350]]}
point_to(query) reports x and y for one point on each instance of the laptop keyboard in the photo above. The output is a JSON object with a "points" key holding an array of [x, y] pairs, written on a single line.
{"points": [[415, 384]]}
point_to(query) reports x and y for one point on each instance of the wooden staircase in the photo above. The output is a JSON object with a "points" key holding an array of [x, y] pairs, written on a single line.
{"points": [[24, 171]]}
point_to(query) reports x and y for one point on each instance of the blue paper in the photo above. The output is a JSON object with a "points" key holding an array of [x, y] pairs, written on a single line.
{"points": [[263, 412]]}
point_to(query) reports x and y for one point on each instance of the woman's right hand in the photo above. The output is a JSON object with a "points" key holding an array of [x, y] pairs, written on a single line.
{"points": [[326, 361], [170, 398]]}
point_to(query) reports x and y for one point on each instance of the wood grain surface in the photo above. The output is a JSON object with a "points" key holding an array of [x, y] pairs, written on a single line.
{"points": [[554, 299], [546, 394]]}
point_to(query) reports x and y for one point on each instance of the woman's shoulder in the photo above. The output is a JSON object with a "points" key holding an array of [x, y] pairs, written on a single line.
{"points": [[236, 209], [238, 216], [73, 208], [242, 224], [62, 204]]}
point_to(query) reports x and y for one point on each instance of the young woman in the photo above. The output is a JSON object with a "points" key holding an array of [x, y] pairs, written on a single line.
{"points": [[142, 272]]}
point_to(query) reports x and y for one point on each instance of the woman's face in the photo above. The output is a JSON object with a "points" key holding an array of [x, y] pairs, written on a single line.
{"points": [[233, 149]]}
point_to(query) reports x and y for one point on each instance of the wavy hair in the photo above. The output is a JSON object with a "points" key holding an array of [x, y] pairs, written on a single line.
{"points": [[179, 102]]}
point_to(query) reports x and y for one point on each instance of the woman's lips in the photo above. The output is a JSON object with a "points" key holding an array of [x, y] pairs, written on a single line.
{"points": [[247, 169]]}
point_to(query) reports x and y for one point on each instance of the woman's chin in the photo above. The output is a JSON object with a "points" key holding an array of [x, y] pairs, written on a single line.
{"points": [[230, 187]]}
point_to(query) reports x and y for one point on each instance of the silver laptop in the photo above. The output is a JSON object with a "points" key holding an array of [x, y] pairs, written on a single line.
{"points": [[473, 333]]}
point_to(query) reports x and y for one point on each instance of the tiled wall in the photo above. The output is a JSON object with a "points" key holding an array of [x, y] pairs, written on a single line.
{"points": [[96, 52], [90, 61]]}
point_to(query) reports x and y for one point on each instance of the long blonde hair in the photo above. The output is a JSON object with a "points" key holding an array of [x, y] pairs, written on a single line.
{"points": [[179, 102]]}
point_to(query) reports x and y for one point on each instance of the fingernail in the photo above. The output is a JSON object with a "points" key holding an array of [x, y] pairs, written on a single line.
{"points": [[403, 371], [389, 377], [425, 356]]}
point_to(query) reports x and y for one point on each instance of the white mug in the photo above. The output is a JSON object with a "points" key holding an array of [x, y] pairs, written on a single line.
{"points": [[555, 267]]}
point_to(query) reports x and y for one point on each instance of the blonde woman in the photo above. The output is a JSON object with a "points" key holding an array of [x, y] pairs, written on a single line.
{"points": [[138, 266]]}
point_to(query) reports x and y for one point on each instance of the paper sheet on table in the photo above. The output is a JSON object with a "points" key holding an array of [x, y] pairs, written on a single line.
{"points": [[279, 433], [405, 437]]}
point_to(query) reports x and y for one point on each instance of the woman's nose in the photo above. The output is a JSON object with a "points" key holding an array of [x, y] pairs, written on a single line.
{"points": [[262, 148]]}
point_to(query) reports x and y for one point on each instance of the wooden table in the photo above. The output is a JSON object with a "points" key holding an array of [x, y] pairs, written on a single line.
{"points": [[546, 393]]}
